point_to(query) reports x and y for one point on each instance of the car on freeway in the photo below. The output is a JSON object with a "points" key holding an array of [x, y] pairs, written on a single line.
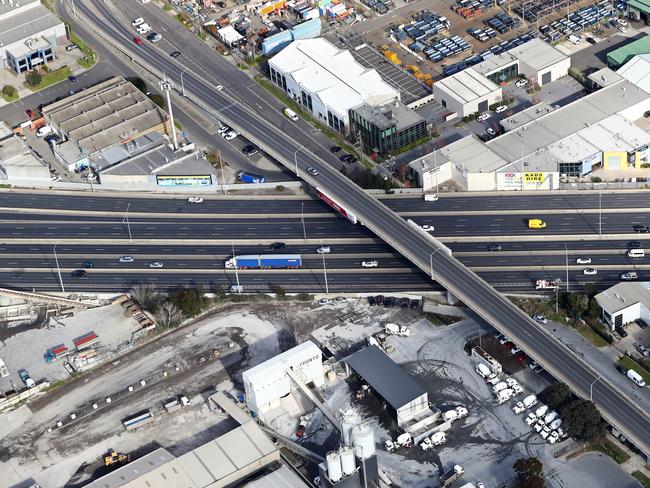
{"points": [[79, 273], [589, 271], [521, 83], [494, 248], [621, 369], [72, 79], [501, 108], [229, 136], [137, 40], [137, 22], [483, 117], [195, 200], [219, 87], [156, 264], [126, 259], [312, 171], [250, 150], [583, 261], [278, 245], [323, 250], [369, 264], [540, 318], [491, 132], [641, 229], [427, 228], [175, 54], [630, 275], [87, 264], [335, 149]]}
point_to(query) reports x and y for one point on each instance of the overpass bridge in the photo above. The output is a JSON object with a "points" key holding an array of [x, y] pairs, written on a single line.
{"points": [[286, 143]]}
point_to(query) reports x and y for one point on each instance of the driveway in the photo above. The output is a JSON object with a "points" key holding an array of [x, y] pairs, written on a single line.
{"points": [[594, 470]]}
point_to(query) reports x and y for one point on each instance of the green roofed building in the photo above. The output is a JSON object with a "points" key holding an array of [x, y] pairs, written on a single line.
{"points": [[639, 10], [620, 56]]}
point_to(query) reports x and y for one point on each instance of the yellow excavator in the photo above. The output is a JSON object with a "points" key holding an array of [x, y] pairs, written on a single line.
{"points": [[114, 458]]}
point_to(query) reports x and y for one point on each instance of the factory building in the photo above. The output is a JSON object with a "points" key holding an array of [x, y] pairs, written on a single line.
{"points": [[625, 303], [327, 81], [267, 385], [18, 163], [466, 92], [29, 34]]}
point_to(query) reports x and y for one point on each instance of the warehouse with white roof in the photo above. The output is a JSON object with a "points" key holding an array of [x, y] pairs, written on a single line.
{"points": [[466, 92], [328, 81]]}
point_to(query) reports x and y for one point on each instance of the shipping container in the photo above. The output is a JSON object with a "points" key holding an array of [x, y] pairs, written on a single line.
{"points": [[85, 341]]}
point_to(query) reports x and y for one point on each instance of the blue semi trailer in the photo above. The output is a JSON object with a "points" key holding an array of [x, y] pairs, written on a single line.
{"points": [[265, 261], [248, 177]]}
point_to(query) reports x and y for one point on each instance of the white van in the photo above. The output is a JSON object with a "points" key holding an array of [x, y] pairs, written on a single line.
{"points": [[291, 114], [635, 253], [636, 377], [575, 39]]}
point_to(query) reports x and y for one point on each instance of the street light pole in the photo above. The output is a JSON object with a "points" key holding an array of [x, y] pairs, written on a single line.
{"points": [[327, 290], [182, 85], [295, 159], [128, 224], [600, 214], [591, 389], [58, 269], [234, 257], [302, 217], [435, 166], [566, 258], [431, 262]]}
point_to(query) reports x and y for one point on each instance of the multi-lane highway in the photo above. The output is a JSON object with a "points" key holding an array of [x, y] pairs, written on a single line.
{"points": [[288, 147]]}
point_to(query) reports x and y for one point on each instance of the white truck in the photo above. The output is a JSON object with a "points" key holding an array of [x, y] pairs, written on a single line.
{"points": [[547, 284], [398, 330], [636, 377], [505, 395], [437, 439], [403, 440], [4, 372], [484, 372]]}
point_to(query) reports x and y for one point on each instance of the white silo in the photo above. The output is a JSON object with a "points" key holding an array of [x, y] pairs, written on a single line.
{"points": [[363, 440], [333, 466], [348, 422], [347, 460]]}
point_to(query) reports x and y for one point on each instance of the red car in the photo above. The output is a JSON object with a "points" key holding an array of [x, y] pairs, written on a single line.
{"points": [[29, 112], [521, 357], [509, 345], [137, 40]]}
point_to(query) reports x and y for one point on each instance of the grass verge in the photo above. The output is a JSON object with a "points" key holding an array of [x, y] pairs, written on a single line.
{"points": [[51, 78], [12, 98], [641, 478], [630, 363], [606, 447], [589, 334], [441, 319], [89, 56]]}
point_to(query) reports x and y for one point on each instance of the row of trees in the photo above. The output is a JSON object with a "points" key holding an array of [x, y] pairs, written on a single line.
{"points": [[170, 310]]}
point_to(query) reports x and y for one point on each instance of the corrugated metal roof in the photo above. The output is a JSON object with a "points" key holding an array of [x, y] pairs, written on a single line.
{"points": [[622, 55], [623, 296], [384, 376], [280, 478]]}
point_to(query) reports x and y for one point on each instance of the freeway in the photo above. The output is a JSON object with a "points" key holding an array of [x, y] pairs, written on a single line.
{"points": [[408, 240]]}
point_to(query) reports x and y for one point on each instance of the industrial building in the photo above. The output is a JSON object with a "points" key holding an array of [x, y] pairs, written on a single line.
{"points": [[327, 81], [17, 161], [536, 60], [387, 128], [639, 10], [618, 57], [29, 34], [596, 131], [267, 385], [466, 92], [403, 395], [624, 303], [305, 30]]}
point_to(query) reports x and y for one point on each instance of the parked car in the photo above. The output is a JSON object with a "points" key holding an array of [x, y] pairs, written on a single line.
{"points": [[323, 301], [483, 117], [229, 136], [491, 132], [335, 149], [642, 349], [501, 108], [44, 130], [175, 54], [620, 331], [540, 318], [521, 83], [591, 40], [250, 150], [137, 22], [621, 369], [372, 301], [72, 79]]}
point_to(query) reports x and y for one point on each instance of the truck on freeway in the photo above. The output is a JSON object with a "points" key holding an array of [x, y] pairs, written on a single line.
{"points": [[265, 261], [547, 284]]}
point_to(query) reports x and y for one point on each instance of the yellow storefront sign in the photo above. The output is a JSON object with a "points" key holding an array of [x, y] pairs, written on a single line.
{"points": [[534, 177]]}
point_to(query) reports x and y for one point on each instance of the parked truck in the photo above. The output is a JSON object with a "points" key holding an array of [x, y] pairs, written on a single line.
{"points": [[4, 372], [265, 261], [24, 375], [399, 330], [547, 284], [136, 421], [56, 352], [451, 475], [248, 177]]}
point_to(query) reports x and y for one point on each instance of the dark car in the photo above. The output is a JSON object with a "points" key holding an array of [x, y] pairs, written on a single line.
{"points": [[221, 4], [72, 79], [335, 149], [344, 157], [349, 158], [641, 229], [175, 54], [641, 323], [52, 138], [634, 245], [591, 40], [494, 248], [372, 301], [415, 304], [621, 331], [78, 273], [29, 112], [380, 299], [278, 245], [249, 150], [87, 264], [621, 369]]}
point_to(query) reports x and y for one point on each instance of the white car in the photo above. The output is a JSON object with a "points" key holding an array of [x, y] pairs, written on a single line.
{"points": [[462, 412], [589, 271], [540, 318], [369, 264], [545, 433], [556, 424], [312, 171], [43, 131], [501, 108], [531, 418], [539, 426], [621, 22], [219, 87], [156, 264], [622, 29], [231, 135], [323, 250], [515, 350], [518, 408], [491, 132], [521, 83], [137, 22], [195, 200], [126, 259], [223, 130], [483, 117], [427, 228], [323, 301], [583, 261]]}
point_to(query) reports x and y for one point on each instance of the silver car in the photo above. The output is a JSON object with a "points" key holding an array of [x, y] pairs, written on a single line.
{"points": [[156, 264], [126, 259]]}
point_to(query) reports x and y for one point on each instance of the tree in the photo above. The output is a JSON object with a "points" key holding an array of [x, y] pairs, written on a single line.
{"points": [[168, 315], [138, 83], [555, 395], [530, 472], [278, 290], [158, 100], [145, 295], [581, 420], [9, 91], [189, 301], [33, 77], [575, 304]]}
